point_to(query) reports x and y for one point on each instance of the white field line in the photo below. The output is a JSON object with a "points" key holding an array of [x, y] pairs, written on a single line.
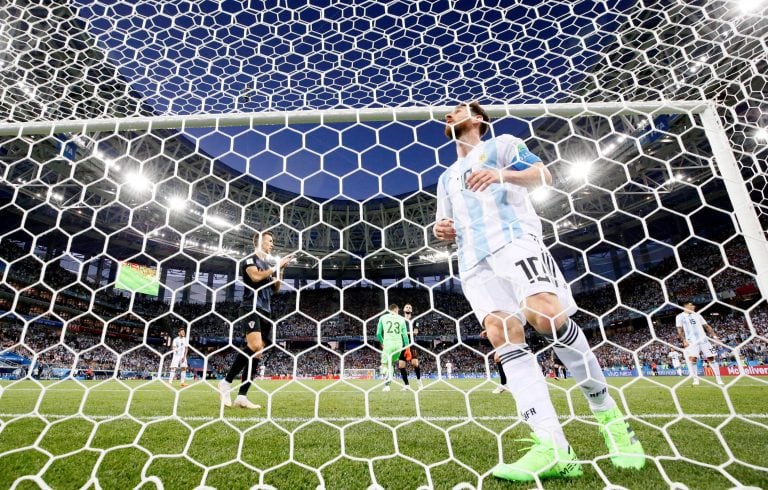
{"points": [[356, 390], [358, 419]]}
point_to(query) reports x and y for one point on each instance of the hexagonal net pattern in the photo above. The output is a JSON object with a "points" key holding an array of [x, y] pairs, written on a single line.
{"points": [[145, 146], [142, 234]]}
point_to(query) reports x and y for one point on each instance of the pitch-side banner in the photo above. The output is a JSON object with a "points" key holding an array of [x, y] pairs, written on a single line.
{"points": [[760, 370]]}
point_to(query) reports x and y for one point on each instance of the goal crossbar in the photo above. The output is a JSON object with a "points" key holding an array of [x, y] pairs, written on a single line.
{"points": [[383, 114]]}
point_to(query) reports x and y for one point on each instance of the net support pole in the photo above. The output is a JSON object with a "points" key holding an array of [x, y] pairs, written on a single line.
{"points": [[743, 207]]}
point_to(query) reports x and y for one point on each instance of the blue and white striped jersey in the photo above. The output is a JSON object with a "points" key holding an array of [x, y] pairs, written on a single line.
{"points": [[693, 326], [486, 221], [179, 346]]}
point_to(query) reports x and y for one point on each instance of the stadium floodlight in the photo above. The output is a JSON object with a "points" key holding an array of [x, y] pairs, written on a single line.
{"points": [[749, 6], [99, 155], [26, 89], [137, 182], [540, 194], [218, 221], [177, 203], [608, 149], [580, 169], [79, 141], [678, 177], [56, 196], [438, 256], [31, 95], [762, 135]]}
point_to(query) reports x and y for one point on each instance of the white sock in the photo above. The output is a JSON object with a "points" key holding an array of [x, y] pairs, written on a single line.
{"points": [[692, 371], [183, 376], [572, 348], [679, 371], [173, 374], [529, 389], [716, 368]]}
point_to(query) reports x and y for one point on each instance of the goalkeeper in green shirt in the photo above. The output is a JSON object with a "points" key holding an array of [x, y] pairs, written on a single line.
{"points": [[392, 333]]}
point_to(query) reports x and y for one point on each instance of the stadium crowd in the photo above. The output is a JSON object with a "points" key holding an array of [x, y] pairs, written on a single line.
{"points": [[69, 322]]}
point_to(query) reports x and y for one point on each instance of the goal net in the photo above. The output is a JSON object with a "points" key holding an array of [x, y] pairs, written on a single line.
{"points": [[144, 144]]}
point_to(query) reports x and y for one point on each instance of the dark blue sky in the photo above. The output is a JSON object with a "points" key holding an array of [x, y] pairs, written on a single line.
{"points": [[191, 57], [341, 160]]}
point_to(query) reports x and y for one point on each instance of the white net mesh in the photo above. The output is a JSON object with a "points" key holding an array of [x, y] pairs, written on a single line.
{"points": [[152, 139]]}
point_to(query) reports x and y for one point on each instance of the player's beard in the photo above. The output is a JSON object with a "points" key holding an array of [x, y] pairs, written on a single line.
{"points": [[456, 130]]}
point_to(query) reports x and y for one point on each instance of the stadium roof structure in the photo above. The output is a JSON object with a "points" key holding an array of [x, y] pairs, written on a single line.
{"points": [[82, 62]]}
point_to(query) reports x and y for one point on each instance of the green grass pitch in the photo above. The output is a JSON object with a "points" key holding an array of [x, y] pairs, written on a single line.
{"points": [[351, 435]]}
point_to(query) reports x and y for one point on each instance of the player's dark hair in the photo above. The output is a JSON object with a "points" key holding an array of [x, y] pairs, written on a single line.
{"points": [[687, 302], [475, 109], [259, 235], [393, 307]]}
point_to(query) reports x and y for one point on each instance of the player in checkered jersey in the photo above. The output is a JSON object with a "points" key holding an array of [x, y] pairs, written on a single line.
{"points": [[510, 279], [261, 279], [690, 330]]}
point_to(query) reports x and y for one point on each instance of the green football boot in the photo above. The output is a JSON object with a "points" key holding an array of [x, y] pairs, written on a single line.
{"points": [[623, 445], [543, 459]]}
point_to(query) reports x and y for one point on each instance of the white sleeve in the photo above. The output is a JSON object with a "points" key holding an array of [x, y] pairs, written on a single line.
{"points": [[679, 321], [443, 209], [514, 153], [505, 145]]}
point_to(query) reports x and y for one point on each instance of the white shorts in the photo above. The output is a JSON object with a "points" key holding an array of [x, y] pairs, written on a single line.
{"points": [[179, 361], [703, 347], [675, 364], [503, 280]]}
